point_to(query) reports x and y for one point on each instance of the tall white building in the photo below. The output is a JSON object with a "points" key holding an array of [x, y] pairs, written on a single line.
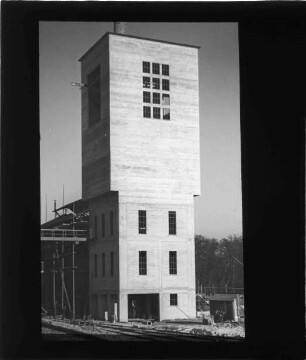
{"points": [[140, 173]]}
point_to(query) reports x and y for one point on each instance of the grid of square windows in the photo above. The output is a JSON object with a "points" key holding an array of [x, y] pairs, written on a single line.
{"points": [[156, 97], [142, 263], [173, 299]]}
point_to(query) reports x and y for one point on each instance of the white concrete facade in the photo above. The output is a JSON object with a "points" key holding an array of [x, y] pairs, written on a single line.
{"points": [[132, 163]]}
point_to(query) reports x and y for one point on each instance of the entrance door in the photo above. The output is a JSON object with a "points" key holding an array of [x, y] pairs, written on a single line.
{"points": [[143, 306]]}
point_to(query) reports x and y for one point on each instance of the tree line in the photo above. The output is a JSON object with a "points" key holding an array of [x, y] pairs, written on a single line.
{"points": [[219, 263]]}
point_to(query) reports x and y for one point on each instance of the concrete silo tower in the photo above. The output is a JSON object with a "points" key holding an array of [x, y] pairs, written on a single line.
{"points": [[140, 173]]}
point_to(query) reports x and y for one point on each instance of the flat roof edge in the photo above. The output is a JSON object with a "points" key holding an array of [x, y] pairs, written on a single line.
{"points": [[135, 37]]}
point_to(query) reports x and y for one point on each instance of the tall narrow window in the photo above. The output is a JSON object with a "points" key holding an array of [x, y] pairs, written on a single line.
{"points": [[103, 225], [156, 113], [111, 264], [173, 299], [146, 97], [172, 263], [165, 69], [166, 84], [146, 111], [142, 263], [94, 98], [156, 98], [156, 68], [145, 67], [142, 221], [111, 222], [156, 83], [95, 265], [103, 264], [172, 223], [95, 228], [146, 82], [166, 114], [166, 99]]}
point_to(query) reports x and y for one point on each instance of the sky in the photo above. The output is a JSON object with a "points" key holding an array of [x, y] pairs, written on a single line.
{"points": [[218, 211]]}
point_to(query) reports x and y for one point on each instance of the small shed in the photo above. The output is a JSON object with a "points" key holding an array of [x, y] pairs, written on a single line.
{"points": [[226, 307]]}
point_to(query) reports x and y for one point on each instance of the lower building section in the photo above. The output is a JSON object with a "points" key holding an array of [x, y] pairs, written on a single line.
{"points": [[157, 306]]}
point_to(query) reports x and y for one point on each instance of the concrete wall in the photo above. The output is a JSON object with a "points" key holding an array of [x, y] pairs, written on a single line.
{"points": [[96, 139], [150, 155], [106, 285], [157, 243]]}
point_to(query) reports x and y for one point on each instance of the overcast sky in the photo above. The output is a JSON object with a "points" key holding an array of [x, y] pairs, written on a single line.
{"points": [[218, 210]]}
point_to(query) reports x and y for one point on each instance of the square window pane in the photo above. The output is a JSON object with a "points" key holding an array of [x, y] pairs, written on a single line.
{"points": [[156, 98], [146, 111], [146, 97], [156, 83], [166, 114], [165, 69], [155, 68], [146, 67], [166, 99], [146, 82], [166, 85], [156, 113]]}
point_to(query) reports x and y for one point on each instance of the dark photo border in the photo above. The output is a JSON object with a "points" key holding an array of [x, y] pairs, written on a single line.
{"points": [[272, 42]]}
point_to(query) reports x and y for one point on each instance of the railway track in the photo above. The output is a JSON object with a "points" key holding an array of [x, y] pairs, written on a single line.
{"points": [[114, 331]]}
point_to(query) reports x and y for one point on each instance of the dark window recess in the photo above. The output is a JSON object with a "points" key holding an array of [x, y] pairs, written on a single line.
{"points": [[142, 263], [172, 263], [172, 223], [146, 82], [111, 222], [166, 99], [94, 97], [156, 68], [156, 83], [103, 264], [156, 113], [111, 264], [166, 85], [95, 228], [145, 67], [146, 97], [156, 98], [142, 221], [146, 111], [103, 225], [165, 69], [95, 265], [166, 114], [173, 299]]}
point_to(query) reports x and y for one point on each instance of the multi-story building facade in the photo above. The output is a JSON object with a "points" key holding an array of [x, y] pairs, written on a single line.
{"points": [[140, 173]]}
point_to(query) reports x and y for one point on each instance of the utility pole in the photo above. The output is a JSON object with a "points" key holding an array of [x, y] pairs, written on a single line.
{"points": [[63, 263], [73, 285], [54, 297]]}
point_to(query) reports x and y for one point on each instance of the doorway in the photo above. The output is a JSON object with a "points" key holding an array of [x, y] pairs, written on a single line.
{"points": [[143, 306]]}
